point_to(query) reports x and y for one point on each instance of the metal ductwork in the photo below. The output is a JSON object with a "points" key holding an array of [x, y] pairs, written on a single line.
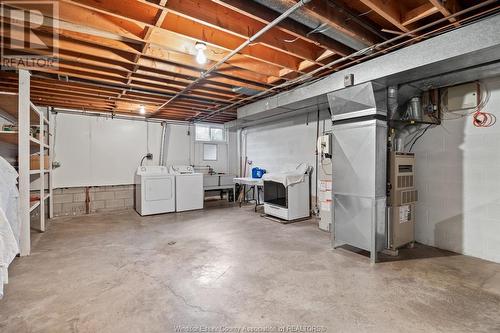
{"points": [[412, 111], [415, 63], [392, 101], [359, 147], [316, 25], [357, 101]]}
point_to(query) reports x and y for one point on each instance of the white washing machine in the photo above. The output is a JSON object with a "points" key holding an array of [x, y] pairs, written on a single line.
{"points": [[189, 192], [155, 190]]}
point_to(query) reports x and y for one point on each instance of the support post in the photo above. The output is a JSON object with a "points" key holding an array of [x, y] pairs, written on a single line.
{"points": [[24, 160], [41, 137], [49, 167]]}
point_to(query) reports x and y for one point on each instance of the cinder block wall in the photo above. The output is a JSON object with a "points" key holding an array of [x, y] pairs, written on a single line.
{"points": [[71, 201]]}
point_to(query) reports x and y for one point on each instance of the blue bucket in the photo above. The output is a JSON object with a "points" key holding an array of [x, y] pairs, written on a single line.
{"points": [[258, 172]]}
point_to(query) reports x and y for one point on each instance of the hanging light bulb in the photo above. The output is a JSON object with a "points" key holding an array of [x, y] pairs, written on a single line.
{"points": [[201, 58], [142, 110]]}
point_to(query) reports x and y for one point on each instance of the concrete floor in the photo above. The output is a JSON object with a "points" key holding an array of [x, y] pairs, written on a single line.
{"points": [[229, 267]]}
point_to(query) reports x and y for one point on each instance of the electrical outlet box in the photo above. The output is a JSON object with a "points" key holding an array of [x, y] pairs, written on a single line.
{"points": [[462, 97], [324, 146], [348, 80]]}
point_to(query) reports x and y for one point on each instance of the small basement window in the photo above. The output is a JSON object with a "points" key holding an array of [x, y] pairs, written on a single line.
{"points": [[210, 133], [209, 152]]}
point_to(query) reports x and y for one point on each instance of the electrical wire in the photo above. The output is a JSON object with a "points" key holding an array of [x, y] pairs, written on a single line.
{"points": [[417, 133], [483, 119], [318, 29], [479, 117], [421, 134]]}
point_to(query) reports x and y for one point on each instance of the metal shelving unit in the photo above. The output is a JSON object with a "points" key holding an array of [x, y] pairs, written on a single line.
{"points": [[19, 109]]}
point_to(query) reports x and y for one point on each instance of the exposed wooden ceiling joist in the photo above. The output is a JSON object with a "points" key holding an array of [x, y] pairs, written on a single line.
{"points": [[128, 53]]}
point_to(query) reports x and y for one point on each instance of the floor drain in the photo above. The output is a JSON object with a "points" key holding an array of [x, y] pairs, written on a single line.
{"points": [[171, 243]]}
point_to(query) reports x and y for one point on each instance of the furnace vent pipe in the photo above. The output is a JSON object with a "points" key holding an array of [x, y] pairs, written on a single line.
{"points": [[392, 101], [413, 112]]}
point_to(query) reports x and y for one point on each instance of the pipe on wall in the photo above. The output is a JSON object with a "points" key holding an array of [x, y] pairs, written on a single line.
{"points": [[392, 101], [415, 112], [162, 143]]}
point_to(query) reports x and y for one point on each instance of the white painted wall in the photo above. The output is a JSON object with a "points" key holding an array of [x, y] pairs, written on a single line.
{"points": [[458, 178], [282, 145], [96, 151], [181, 148]]}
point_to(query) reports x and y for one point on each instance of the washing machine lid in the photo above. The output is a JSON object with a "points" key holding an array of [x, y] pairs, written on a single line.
{"points": [[152, 170]]}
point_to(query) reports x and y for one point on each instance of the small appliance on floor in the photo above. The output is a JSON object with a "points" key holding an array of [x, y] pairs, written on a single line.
{"points": [[189, 192], [287, 195], [155, 190]]}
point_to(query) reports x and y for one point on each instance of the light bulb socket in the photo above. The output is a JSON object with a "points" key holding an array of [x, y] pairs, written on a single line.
{"points": [[200, 46]]}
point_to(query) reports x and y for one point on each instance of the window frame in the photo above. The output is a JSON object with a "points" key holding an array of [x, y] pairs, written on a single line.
{"points": [[216, 146], [210, 127]]}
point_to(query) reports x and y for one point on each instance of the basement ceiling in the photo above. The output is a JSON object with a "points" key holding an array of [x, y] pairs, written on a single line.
{"points": [[117, 55]]}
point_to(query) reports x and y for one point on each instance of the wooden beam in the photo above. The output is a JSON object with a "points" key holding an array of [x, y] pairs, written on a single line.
{"points": [[78, 52], [446, 10], [338, 21], [164, 38], [297, 30], [219, 17], [190, 29], [389, 10], [419, 13]]}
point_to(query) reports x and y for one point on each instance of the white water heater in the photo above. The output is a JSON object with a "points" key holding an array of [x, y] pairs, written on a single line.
{"points": [[325, 201]]}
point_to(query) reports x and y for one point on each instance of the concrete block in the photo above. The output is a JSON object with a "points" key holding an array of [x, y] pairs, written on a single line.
{"points": [[63, 198], [96, 206], [124, 194], [103, 196], [57, 209], [129, 203], [95, 189], [57, 191], [72, 190], [73, 209], [79, 197], [115, 203]]}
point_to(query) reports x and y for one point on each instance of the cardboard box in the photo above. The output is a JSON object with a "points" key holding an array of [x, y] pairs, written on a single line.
{"points": [[35, 162]]}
